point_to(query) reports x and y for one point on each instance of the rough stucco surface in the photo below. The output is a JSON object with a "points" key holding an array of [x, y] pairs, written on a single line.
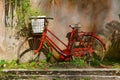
{"points": [[2, 30], [8, 43]]}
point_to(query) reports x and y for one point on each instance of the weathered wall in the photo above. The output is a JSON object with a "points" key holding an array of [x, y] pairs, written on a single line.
{"points": [[2, 30], [8, 44], [63, 14], [2, 27], [93, 14]]}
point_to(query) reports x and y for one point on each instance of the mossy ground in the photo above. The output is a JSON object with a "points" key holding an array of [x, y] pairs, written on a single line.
{"points": [[77, 63]]}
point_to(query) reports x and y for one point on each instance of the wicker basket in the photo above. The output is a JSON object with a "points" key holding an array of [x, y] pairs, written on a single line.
{"points": [[38, 24]]}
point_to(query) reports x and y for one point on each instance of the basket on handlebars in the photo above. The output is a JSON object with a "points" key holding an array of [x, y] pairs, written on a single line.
{"points": [[38, 23]]}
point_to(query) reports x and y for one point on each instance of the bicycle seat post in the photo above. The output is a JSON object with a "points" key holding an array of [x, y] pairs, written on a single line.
{"points": [[75, 26]]}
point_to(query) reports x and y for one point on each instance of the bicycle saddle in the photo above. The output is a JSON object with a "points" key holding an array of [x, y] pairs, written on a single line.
{"points": [[75, 26]]}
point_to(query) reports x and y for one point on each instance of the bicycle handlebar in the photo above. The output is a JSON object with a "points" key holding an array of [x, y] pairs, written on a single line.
{"points": [[39, 17]]}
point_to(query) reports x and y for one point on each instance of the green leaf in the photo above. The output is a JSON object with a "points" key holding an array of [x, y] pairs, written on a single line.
{"points": [[2, 62], [50, 54]]}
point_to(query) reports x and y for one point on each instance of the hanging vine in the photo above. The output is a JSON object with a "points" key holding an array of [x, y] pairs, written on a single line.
{"points": [[17, 13], [23, 9], [23, 13]]}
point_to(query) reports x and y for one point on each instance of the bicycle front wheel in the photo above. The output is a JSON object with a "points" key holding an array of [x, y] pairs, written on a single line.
{"points": [[26, 49]]}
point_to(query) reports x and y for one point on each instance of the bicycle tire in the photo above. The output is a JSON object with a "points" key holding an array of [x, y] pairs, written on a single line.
{"points": [[26, 49], [96, 45]]}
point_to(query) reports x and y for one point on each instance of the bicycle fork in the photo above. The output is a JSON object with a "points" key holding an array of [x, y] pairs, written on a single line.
{"points": [[41, 43]]}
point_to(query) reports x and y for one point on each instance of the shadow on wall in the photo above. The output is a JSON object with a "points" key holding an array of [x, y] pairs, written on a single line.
{"points": [[90, 13], [113, 52], [93, 14]]}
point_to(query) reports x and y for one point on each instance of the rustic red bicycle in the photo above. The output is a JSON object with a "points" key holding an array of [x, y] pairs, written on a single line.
{"points": [[79, 44]]}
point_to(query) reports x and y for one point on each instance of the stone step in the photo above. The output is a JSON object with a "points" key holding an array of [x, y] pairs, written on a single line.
{"points": [[69, 74]]}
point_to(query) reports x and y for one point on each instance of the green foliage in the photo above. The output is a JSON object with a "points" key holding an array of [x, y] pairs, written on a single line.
{"points": [[2, 62], [22, 14], [116, 65], [24, 11], [43, 61], [32, 64], [112, 64], [12, 64], [50, 54], [23, 66], [43, 64], [95, 62], [79, 62], [36, 12]]}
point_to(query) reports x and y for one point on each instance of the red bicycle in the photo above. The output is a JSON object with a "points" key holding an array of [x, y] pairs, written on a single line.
{"points": [[41, 46]]}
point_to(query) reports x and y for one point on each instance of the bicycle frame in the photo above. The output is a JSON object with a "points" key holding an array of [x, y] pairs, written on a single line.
{"points": [[68, 51], [93, 35], [46, 38], [79, 44], [64, 54]]}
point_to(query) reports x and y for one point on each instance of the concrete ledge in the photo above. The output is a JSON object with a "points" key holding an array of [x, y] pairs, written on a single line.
{"points": [[83, 69], [69, 74]]}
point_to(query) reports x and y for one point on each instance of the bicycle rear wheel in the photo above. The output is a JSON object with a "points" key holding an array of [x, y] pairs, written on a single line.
{"points": [[90, 42]]}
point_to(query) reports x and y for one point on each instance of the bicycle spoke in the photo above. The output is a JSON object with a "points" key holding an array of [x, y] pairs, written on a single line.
{"points": [[89, 42]]}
